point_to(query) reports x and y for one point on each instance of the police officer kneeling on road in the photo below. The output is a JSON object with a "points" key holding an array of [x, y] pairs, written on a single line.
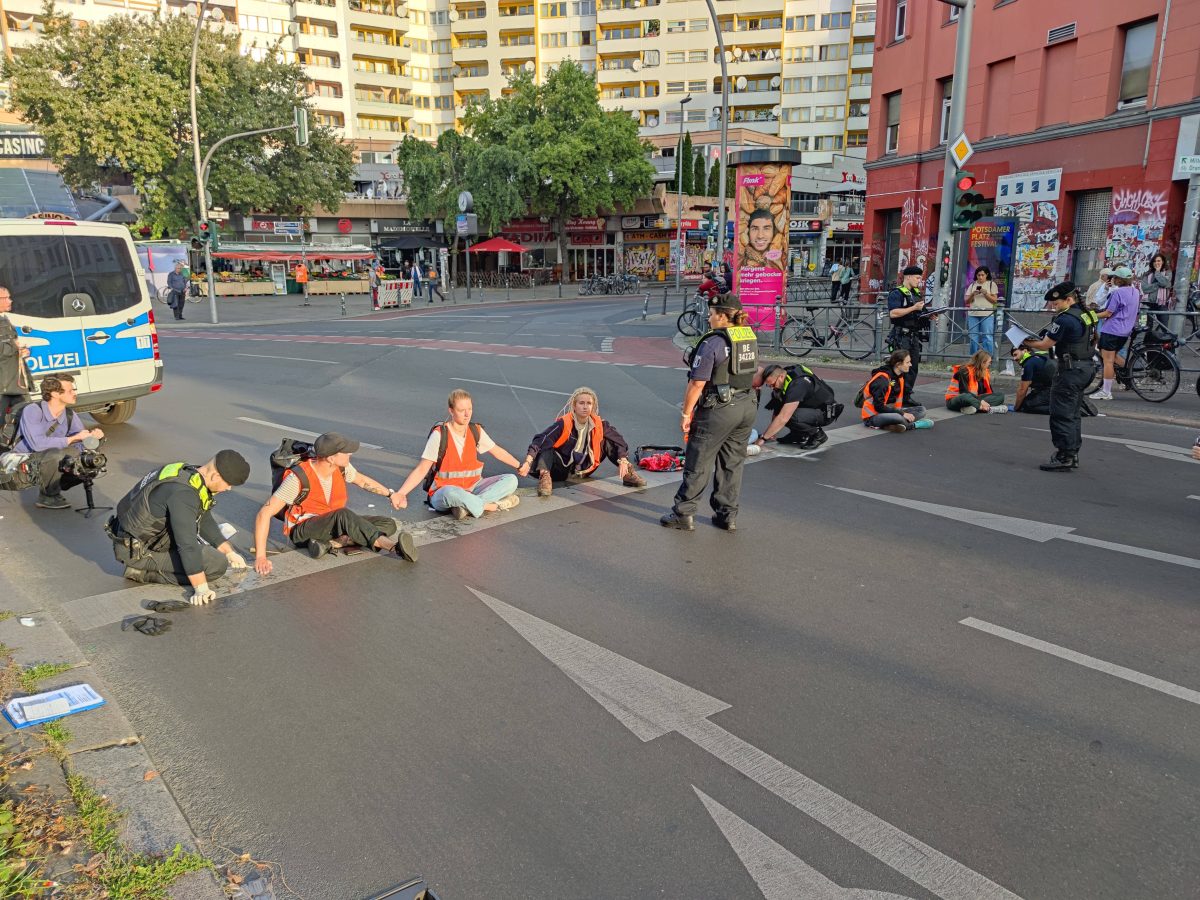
{"points": [[160, 525], [803, 404], [718, 415], [1072, 338]]}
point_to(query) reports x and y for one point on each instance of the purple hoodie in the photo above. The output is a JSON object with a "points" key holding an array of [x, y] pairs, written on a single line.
{"points": [[1123, 303]]}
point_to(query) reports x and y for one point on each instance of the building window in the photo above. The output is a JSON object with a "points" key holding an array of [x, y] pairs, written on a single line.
{"points": [[676, 27], [797, 54], [860, 108], [831, 82], [801, 23], [829, 113], [674, 87], [834, 51], [1135, 66], [554, 10], [828, 142], [891, 139], [674, 57], [856, 139], [697, 56], [698, 25], [835, 20], [697, 87], [860, 79], [947, 90], [901, 19], [554, 39], [794, 114], [584, 8], [696, 115], [796, 85]]}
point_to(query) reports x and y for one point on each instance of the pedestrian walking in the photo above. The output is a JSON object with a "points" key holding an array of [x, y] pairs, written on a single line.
{"points": [[177, 287], [1157, 287], [718, 415], [981, 298], [433, 282], [1117, 321], [414, 273], [1071, 336]]}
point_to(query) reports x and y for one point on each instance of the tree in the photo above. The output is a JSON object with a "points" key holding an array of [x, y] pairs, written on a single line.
{"points": [[568, 156], [699, 176], [111, 101], [685, 166], [714, 179]]}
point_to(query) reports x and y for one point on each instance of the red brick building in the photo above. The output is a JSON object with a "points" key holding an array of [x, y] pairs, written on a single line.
{"points": [[1105, 91]]}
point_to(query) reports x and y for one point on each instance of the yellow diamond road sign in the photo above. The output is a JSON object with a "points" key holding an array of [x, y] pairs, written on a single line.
{"points": [[961, 150]]}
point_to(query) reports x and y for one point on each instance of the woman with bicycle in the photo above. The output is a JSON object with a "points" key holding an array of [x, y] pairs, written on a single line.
{"points": [[1117, 322]]}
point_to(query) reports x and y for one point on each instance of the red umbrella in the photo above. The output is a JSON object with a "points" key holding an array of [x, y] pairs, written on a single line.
{"points": [[497, 245]]}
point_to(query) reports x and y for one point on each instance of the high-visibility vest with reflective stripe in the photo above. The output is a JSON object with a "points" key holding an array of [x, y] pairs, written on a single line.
{"points": [[973, 384], [459, 469], [315, 504], [597, 439], [894, 386]]}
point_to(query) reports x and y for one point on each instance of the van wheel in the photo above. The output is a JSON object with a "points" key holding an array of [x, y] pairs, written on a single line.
{"points": [[118, 413]]}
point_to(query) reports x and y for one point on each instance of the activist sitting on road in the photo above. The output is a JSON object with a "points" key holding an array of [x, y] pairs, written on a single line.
{"points": [[46, 429], [573, 447], [882, 395], [452, 471], [970, 390], [312, 498], [163, 530], [802, 402]]}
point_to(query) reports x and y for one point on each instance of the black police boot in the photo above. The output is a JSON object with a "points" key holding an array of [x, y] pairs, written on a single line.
{"points": [[675, 520], [725, 523], [1061, 462], [817, 440]]}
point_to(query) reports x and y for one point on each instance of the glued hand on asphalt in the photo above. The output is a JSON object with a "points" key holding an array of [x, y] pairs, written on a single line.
{"points": [[236, 560], [202, 596]]}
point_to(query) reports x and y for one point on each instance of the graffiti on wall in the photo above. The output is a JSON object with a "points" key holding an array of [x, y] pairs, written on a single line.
{"points": [[1135, 227], [914, 232], [641, 259], [1036, 257]]}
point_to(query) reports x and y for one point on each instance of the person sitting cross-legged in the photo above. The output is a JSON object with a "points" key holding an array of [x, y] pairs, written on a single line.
{"points": [[970, 388], [313, 493], [574, 446]]}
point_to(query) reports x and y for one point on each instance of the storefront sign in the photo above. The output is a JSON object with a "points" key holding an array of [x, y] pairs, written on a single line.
{"points": [[647, 236], [805, 225], [1029, 187], [344, 226], [579, 223], [22, 145], [631, 221], [654, 222], [580, 239], [761, 235], [398, 226]]}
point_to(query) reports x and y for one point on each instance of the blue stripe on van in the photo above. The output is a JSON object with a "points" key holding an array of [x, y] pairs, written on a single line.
{"points": [[119, 343]]}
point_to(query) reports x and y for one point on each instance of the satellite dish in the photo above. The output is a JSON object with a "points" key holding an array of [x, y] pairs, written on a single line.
{"points": [[737, 52], [652, 122], [741, 82], [528, 65], [456, 72], [216, 15], [636, 65], [775, 110], [774, 81], [453, 14]]}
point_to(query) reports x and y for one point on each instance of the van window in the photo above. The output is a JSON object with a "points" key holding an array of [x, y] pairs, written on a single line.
{"points": [[41, 269]]}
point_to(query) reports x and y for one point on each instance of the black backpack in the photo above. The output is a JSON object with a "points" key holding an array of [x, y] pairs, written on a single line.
{"points": [[287, 459], [476, 430], [10, 431]]}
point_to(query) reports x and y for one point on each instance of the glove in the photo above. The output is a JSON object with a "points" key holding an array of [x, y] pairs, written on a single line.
{"points": [[202, 595], [236, 560]]}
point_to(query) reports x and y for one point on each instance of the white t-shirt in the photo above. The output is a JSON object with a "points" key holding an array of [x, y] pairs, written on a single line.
{"points": [[289, 488], [483, 445]]}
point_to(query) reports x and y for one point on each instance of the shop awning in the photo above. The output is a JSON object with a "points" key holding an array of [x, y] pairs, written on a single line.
{"points": [[290, 252], [497, 245], [410, 242]]}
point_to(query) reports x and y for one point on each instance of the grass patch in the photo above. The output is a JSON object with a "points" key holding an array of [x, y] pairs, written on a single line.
{"points": [[6, 614], [32, 676]]}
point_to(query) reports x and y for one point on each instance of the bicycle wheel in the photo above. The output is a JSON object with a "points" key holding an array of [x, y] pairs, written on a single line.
{"points": [[688, 323], [857, 341], [195, 297], [1153, 374], [797, 337], [164, 295]]}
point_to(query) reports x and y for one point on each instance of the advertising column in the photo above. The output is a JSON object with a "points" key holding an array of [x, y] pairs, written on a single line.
{"points": [[761, 213]]}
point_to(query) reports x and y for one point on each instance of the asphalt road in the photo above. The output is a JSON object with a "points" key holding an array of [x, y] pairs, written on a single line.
{"points": [[921, 667]]}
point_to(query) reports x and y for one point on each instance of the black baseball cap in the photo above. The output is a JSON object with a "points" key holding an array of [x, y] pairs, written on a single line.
{"points": [[232, 467], [331, 442], [725, 301]]}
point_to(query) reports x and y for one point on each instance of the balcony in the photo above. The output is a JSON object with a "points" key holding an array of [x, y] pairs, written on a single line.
{"points": [[859, 92], [307, 43], [471, 40], [463, 25], [862, 60], [471, 73], [857, 123], [382, 79], [862, 30], [315, 9], [521, 22], [374, 13]]}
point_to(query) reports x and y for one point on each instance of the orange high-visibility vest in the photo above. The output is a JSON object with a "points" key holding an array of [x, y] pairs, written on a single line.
{"points": [[315, 503], [973, 384], [894, 385], [459, 469], [597, 441]]}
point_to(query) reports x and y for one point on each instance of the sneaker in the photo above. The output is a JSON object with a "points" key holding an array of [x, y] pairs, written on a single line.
{"points": [[968, 411], [999, 410], [508, 502], [406, 547], [1060, 462], [1100, 395], [52, 501], [459, 513], [545, 484], [753, 450], [633, 480], [817, 439], [895, 429], [317, 549], [923, 423]]}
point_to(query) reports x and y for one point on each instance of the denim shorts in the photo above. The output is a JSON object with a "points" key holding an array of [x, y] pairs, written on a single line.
{"points": [[1113, 341]]}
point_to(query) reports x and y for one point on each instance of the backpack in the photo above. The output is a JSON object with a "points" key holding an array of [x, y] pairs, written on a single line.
{"points": [[443, 443], [286, 459], [10, 431]]}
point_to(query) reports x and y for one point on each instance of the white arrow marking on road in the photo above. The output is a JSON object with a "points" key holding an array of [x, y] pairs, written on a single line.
{"points": [[1150, 448], [297, 431], [1022, 528], [650, 705], [779, 874]]}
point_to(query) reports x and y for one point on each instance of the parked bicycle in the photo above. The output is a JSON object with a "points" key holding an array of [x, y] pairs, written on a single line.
{"points": [[852, 333], [694, 318], [192, 295], [1151, 368]]}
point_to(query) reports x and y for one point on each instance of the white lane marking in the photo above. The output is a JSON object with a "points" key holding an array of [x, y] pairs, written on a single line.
{"points": [[651, 704], [1028, 529], [779, 873], [1194, 496], [299, 431], [1173, 455], [324, 362], [449, 316], [1082, 659], [1150, 448], [519, 387], [606, 345]]}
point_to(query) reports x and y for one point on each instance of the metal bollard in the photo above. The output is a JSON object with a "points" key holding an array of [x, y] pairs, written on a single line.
{"points": [[881, 317], [507, 288], [778, 321], [646, 308], [664, 311], [343, 297]]}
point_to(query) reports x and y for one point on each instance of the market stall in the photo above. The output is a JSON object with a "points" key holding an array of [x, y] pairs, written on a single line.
{"points": [[255, 270]]}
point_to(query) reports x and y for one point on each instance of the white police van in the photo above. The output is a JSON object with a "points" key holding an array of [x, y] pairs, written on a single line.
{"points": [[80, 304]]}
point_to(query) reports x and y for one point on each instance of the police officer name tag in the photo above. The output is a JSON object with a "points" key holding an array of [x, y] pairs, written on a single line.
{"points": [[743, 349]]}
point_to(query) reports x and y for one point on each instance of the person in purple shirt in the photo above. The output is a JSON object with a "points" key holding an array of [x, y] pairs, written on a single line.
{"points": [[1117, 319], [47, 429]]}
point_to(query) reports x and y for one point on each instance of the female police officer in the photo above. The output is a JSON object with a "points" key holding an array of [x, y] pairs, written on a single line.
{"points": [[1071, 338], [718, 413]]}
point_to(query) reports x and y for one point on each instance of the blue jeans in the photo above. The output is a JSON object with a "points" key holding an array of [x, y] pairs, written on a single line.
{"points": [[980, 329], [486, 490]]}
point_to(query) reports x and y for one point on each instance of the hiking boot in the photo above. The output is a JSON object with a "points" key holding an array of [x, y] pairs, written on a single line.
{"points": [[633, 479], [406, 547], [675, 520], [508, 502], [1061, 462], [816, 440], [725, 523], [317, 549], [52, 501], [968, 410], [459, 513], [545, 484]]}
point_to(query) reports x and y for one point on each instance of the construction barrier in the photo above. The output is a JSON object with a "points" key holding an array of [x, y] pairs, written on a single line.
{"points": [[393, 295]]}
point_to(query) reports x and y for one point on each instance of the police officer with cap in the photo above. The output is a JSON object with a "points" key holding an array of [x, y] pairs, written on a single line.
{"points": [[719, 408], [1071, 338], [906, 310], [159, 525]]}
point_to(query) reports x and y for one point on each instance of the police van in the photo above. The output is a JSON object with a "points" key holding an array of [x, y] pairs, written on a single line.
{"points": [[80, 304]]}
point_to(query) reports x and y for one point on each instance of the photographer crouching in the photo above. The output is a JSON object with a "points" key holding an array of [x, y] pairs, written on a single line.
{"points": [[164, 531], [49, 445]]}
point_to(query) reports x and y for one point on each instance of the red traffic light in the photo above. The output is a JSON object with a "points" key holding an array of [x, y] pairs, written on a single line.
{"points": [[966, 182], [203, 227]]}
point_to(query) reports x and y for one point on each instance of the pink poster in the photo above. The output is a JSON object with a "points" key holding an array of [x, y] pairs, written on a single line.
{"points": [[762, 203]]}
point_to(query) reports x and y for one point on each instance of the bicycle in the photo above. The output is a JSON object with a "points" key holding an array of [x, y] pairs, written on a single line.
{"points": [[1151, 370], [693, 320], [851, 334], [192, 296]]}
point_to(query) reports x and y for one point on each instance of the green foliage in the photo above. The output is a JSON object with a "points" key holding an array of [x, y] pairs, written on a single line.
{"points": [[6, 614], [714, 179], [699, 175], [112, 102], [32, 676], [684, 165], [19, 867]]}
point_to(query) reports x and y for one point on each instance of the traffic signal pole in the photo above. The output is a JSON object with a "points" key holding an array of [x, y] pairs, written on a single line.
{"points": [[958, 105]]}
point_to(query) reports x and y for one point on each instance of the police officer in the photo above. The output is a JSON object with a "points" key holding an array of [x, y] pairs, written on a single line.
{"points": [[718, 414], [803, 404], [159, 525], [1037, 378], [1071, 337], [906, 310]]}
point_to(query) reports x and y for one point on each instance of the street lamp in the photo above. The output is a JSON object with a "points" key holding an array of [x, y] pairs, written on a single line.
{"points": [[212, 291], [679, 195], [712, 14]]}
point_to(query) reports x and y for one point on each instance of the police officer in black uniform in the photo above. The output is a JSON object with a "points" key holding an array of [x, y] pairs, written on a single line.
{"points": [[910, 324], [803, 404], [1071, 337], [719, 408]]}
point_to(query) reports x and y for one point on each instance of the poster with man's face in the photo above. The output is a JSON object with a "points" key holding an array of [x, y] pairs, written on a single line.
{"points": [[761, 211]]}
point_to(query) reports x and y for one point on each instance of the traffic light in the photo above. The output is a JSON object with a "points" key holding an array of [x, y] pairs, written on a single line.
{"points": [[945, 263], [206, 232], [301, 126], [710, 221], [968, 203]]}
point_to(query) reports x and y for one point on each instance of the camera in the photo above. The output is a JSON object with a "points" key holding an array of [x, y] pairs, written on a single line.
{"points": [[89, 465]]}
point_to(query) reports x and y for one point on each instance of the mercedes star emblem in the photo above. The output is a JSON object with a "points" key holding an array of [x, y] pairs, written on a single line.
{"points": [[78, 305]]}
